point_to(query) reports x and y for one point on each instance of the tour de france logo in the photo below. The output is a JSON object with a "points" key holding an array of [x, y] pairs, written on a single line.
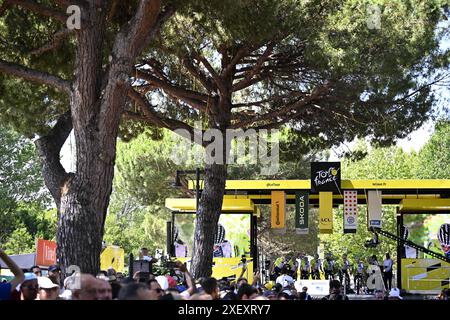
{"points": [[324, 177]]}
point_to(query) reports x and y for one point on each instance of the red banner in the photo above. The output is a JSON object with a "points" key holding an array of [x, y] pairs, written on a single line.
{"points": [[45, 253]]}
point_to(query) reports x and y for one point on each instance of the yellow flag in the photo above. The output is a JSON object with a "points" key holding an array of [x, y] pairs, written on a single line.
{"points": [[278, 209], [326, 212], [113, 257]]}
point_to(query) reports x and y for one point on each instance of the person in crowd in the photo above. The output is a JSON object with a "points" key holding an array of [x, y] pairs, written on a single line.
{"points": [[211, 287], [283, 296], [91, 288], [135, 291], [444, 295], [6, 288], [54, 274], [47, 289], [284, 280], [29, 288], [144, 255], [36, 270], [379, 294], [387, 272], [156, 292], [304, 294], [394, 294], [247, 292], [335, 291]]}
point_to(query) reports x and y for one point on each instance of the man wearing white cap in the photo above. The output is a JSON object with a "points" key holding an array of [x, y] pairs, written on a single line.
{"points": [[47, 289], [29, 287]]}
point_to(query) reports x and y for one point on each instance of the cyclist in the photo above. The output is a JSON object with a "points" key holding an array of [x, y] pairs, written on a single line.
{"points": [[293, 265], [278, 266], [304, 268], [345, 271], [316, 268], [359, 275], [328, 266], [444, 238]]}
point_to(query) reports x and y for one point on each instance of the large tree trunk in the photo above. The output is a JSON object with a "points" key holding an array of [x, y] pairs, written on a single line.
{"points": [[98, 96], [210, 205]]}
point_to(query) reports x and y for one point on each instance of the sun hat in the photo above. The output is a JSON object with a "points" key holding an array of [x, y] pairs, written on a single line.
{"points": [[29, 276], [46, 283]]}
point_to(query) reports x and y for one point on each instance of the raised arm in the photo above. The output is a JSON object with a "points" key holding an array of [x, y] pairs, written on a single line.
{"points": [[18, 273]]}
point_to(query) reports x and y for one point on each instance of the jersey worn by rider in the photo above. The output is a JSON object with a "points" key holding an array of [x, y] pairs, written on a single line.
{"points": [[360, 268], [345, 265]]}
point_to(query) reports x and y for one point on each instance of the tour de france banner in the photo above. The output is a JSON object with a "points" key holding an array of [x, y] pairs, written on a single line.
{"points": [[350, 211], [374, 210], [326, 176], [278, 209], [301, 212], [326, 212]]}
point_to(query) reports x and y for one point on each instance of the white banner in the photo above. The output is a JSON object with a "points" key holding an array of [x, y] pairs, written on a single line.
{"points": [[315, 287], [374, 209], [350, 211]]}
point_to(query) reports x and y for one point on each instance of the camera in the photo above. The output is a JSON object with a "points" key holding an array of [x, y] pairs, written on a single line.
{"points": [[372, 243]]}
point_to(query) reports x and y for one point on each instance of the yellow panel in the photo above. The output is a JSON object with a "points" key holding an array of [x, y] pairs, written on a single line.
{"points": [[414, 205], [326, 212], [425, 275], [188, 205], [228, 267], [335, 196], [278, 209], [345, 184], [262, 184], [396, 184]]}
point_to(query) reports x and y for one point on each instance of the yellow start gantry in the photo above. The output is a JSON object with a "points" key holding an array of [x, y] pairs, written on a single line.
{"points": [[410, 197]]}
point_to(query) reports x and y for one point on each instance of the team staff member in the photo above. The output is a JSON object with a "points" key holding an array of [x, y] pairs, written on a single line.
{"points": [[387, 272]]}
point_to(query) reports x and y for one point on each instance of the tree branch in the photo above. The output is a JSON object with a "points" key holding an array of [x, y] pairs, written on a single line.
{"points": [[237, 57], [209, 86], [211, 71], [281, 111], [249, 77], [49, 148], [195, 99], [56, 41], [140, 30], [39, 9], [152, 117], [35, 76]]}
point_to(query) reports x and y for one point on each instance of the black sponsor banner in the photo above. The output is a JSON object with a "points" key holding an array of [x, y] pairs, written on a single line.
{"points": [[326, 176], [301, 212]]}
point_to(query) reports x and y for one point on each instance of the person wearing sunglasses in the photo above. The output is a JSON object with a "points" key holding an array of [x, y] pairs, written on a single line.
{"points": [[29, 288], [155, 289]]}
